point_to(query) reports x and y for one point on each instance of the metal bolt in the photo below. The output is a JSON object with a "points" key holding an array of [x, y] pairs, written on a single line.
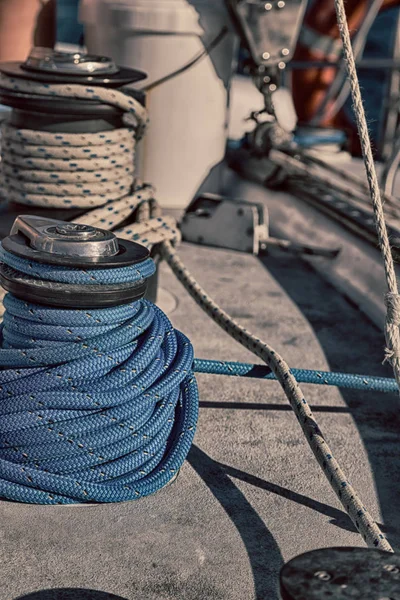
{"points": [[67, 227], [391, 569], [268, 6], [281, 4], [323, 575], [285, 51], [281, 65], [266, 55], [75, 229], [272, 87], [267, 79]]}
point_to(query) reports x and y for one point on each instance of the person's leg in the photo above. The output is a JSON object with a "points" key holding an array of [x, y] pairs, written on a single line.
{"points": [[23, 24]]}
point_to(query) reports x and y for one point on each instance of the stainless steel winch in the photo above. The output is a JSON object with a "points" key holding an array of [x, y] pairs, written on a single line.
{"points": [[73, 245], [58, 114]]}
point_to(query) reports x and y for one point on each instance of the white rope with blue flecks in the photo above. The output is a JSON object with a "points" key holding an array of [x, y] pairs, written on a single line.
{"points": [[317, 441], [96, 172], [392, 298], [93, 171]]}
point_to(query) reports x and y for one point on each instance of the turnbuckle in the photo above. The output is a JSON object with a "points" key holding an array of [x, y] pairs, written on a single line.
{"points": [[76, 246]]}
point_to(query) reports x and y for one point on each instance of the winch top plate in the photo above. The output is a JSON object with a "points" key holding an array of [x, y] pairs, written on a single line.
{"points": [[76, 245], [342, 573], [124, 76], [130, 253], [73, 245]]}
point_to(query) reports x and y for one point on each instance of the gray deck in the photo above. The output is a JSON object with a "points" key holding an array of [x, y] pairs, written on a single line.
{"points": [[251, 495]]}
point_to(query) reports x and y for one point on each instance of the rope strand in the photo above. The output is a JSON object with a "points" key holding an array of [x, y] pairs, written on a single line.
{"points": [[392, 332], [156, 230], [347, 495]]}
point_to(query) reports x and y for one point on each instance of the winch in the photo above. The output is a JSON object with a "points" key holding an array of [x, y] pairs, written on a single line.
{"points": [[112, 415], [68, 145], [57, 114], [59, 243], [342, 573]]}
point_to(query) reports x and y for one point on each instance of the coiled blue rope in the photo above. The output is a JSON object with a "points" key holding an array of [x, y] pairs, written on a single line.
{"points": [[101, 405], [95, 405]]}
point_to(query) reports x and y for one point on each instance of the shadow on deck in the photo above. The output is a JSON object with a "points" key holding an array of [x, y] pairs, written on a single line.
{"points": [[351, 343]]}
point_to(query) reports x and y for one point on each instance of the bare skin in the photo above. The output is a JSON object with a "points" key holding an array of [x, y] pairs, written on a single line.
{"points": [[23, 24]]}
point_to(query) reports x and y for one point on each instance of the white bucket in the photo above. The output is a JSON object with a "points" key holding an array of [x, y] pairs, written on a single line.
{"points": [[186, 139]]}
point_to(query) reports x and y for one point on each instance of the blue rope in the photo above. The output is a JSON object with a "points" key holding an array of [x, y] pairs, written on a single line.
{"points": [[101, 405], [134, 273], [254, 371], [95, 405]]}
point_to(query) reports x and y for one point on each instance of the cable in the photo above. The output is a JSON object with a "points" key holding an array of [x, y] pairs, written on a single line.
{"points": [[392, 297], [205, 52], [255, 371], [96, 405]]}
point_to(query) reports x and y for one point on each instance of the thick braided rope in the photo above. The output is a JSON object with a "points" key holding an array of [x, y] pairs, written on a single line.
{"points": [[60, 170], [256, 371], [392, 297], [95, 162], [315, 438], [332, 178], [96, 405], [71, 170], [391, 203], [91, 170], [135, 115]]}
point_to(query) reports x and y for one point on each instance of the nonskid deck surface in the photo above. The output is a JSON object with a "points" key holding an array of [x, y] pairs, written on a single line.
{"points": [[251, 495]]}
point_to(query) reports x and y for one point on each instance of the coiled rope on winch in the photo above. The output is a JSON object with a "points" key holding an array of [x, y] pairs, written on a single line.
{"points": [[160, 231], [93, 171], [96, 405], [74, 170], [66, 170]]}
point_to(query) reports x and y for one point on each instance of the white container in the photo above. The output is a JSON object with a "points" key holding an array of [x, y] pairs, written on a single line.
{"points": [[185, 142]]}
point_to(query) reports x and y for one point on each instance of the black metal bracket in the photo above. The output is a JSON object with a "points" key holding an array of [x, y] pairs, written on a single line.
{"points": [[341, 574], [58, 243]]}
